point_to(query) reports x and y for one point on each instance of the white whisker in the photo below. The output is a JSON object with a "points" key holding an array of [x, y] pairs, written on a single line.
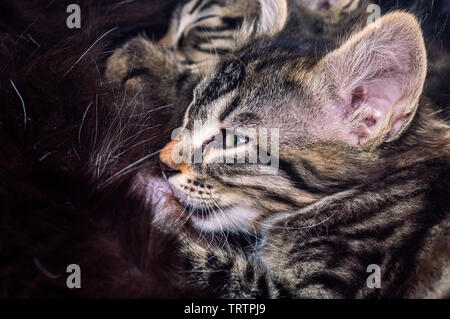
{"points": [[82, 122], [85, 52], [23, 104], [131, 166]]}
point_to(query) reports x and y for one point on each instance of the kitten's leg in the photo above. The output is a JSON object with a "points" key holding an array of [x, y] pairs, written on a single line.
{"points": [[230, 274], [144, 66]]}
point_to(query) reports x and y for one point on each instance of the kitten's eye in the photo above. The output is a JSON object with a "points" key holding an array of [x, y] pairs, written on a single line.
{"points": [[240, 139], [233, 139]]}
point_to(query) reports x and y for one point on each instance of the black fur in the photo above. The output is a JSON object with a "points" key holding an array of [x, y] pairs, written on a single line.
{"points": [[51, 212]]}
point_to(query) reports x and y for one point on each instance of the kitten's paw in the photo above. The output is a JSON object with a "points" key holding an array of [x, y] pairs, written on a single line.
{"points": [[139, 62], [147, 68], [122, 61]]}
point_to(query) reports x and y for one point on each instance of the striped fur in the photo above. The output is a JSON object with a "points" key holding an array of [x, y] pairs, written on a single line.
{"points": [[334, 207], [202, 31]]}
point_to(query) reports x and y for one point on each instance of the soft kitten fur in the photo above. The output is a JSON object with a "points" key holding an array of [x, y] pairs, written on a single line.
{"points": [[67, 196], [362, 154]]}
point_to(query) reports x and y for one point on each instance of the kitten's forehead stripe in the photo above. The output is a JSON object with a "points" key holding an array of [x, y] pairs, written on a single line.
{"points": [[233, 73], [230, 108], [228, 79]]}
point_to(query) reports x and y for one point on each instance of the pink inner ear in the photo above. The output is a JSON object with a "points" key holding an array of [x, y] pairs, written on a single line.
{"points": [[379, 102], [359, 96]]}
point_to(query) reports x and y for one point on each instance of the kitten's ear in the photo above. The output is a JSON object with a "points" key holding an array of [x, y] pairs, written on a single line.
{"points": [[272, 16], [376, 79]]}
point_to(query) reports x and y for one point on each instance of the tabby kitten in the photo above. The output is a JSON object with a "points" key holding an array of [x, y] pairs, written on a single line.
{"points": [[363, 162], [201, 32], [205, 29]]}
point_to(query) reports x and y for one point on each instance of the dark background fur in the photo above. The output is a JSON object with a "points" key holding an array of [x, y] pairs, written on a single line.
{"points": [[52, 212]]}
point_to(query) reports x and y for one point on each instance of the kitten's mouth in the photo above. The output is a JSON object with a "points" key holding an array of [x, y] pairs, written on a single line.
{"points": [[197, 209], [206, 215]]}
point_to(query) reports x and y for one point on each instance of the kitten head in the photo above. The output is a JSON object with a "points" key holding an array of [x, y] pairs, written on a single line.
{"points": [[280, 125]]}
